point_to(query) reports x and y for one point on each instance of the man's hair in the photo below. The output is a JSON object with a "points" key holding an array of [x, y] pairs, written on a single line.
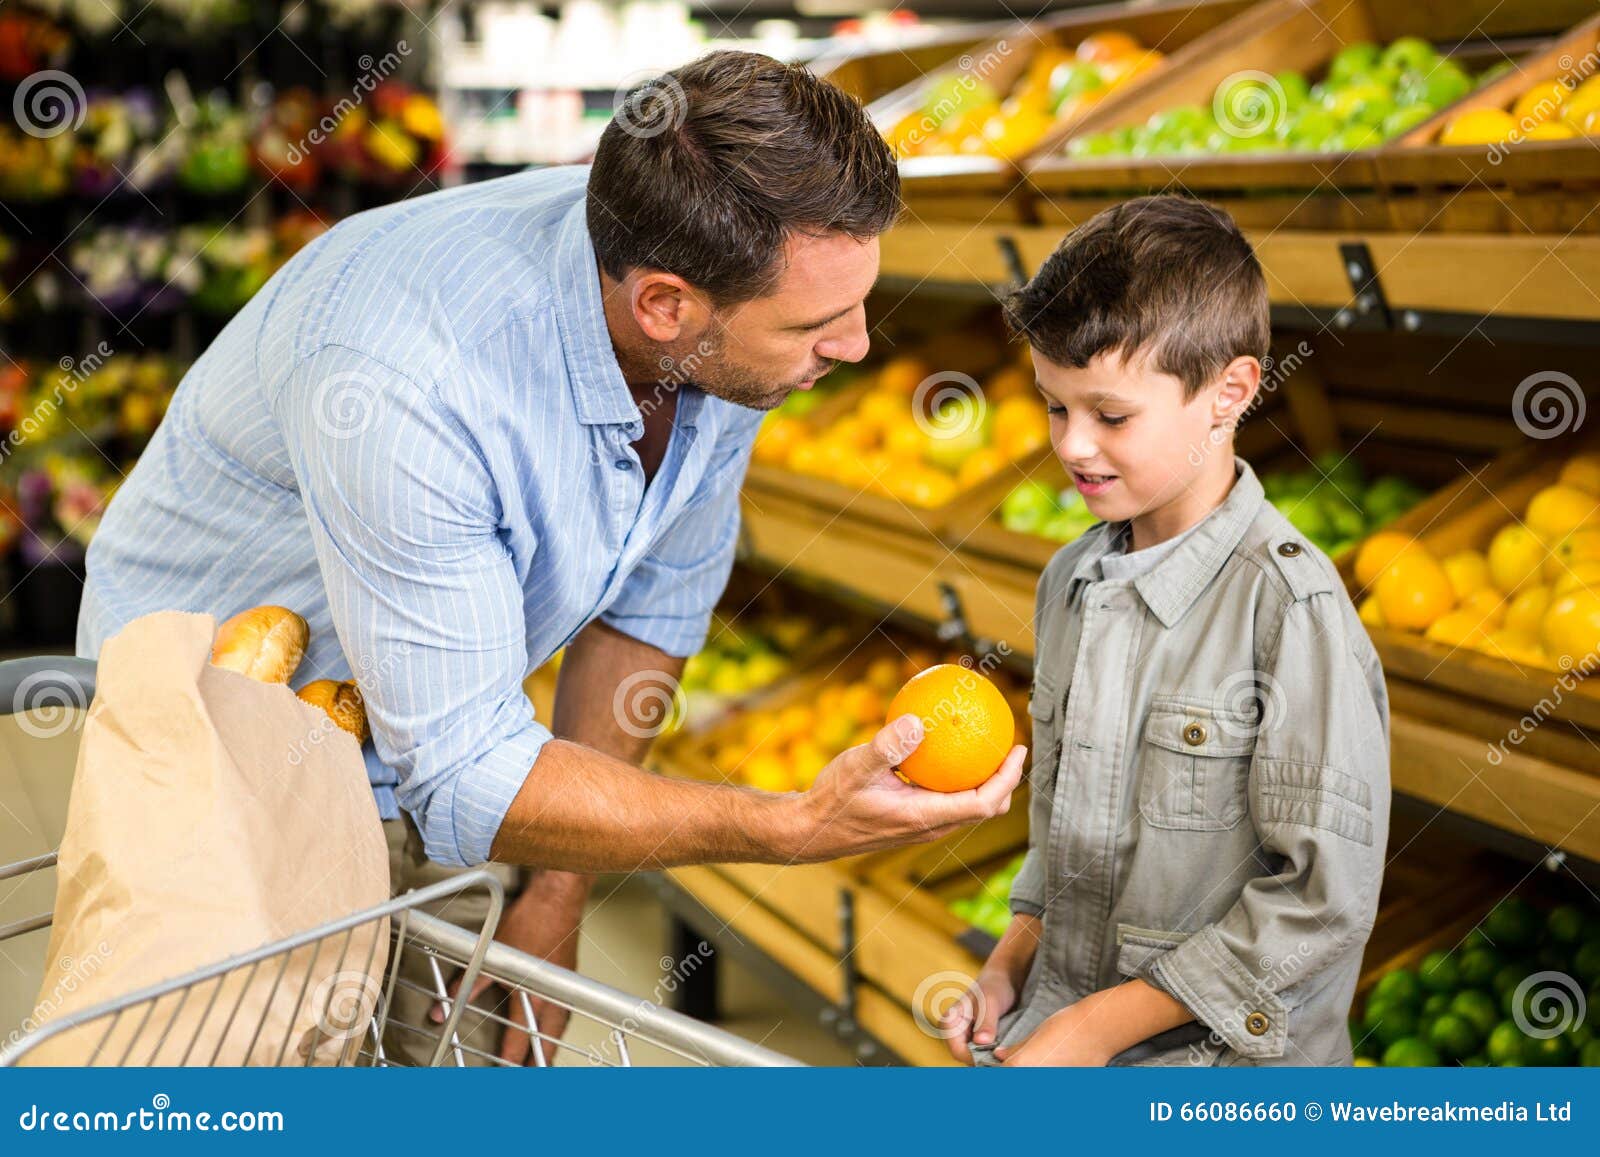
{"points": [[705, 170], [1166, 278]]}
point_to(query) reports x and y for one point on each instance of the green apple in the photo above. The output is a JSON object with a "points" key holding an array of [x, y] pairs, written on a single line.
{"points": [[1403, 120], [1353, 60], [1410, 54]]}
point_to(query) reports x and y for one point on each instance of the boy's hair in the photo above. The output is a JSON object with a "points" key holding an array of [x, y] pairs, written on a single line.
{"points": [[706, 171], [1166, 277]]}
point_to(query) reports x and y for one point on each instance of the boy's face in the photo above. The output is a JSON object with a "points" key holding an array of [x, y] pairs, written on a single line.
{"points": [[1133, 444]]}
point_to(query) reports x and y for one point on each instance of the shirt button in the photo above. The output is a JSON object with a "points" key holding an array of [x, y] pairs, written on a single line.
{"points": [[1256, 1024], [1289, 549], [624, 464], [1194, 735]]}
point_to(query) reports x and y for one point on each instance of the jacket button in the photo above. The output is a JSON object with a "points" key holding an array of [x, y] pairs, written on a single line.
{"points": [[1256, 1024], [1194, 735], [1289, 549]]}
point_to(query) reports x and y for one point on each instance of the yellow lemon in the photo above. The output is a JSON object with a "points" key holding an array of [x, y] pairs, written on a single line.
{"points": [[1585, 99], [1571, 630], [1479, 126], [1488, 605], [1516, 557], [1549, 131], [1456, 629], [1567, 552], [1542, 102], [1378, 552], [1414, 591], [881, 409], [1371, 613], [1514, 647], [1582, 472], [1468, 571], [1527, 610], [980, 464], [777, 439], [902, 375], [1557, 511], [1579, 576]]}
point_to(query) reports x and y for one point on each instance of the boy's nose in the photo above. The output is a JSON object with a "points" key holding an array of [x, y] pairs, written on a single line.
{"points": [[1076, 444]]}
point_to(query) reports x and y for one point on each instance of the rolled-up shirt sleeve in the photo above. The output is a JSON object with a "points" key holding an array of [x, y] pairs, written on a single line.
{"points": [[668, 599], [423, 593]]}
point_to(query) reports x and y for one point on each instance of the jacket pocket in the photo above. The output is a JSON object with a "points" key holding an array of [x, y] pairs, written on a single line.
{"points": [[1196, 757], [1044, 708], [1139, 948]]}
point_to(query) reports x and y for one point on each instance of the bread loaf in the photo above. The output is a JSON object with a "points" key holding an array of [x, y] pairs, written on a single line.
{"points": [[342, 702], [265, 643]]}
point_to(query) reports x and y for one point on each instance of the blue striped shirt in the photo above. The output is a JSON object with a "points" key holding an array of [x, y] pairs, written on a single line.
{"points": [[417, 436]]}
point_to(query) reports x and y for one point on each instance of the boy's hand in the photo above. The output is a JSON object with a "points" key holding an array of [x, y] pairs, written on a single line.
{"points": [[1069, 1037], [972, 1019]]}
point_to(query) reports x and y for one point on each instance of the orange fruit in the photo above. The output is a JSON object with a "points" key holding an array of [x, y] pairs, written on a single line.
{"points": [[1541, 102], [1371, 613], [1021, 426], [1516, 557], [1378, 552], [1527, 610], [1579, 576], [1457, 629], [1557, 511], [1582, 472], [1571, 630], [968, 727], [1107, 44], [902, 375], [1479, 126], [862, 703], [1468, 571], [778, 438], [1487, 607], [1414, 591], [979, 465], [1514, 647], [1568, 552]]}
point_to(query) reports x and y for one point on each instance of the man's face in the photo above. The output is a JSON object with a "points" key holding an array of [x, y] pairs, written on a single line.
{"points": [[757, 352], [1131, 442]]}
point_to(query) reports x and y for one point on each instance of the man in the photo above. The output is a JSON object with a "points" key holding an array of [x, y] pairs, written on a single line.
{"points": [[460, 433]]}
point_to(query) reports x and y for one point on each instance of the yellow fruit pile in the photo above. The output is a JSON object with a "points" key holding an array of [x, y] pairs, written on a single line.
{"points": [[1546, 111], [783, 748], [962, 114], [1532, 598], [914, 435]]}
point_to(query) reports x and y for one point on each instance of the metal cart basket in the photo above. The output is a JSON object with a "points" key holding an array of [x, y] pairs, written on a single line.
{"points": [[189, 1019]]}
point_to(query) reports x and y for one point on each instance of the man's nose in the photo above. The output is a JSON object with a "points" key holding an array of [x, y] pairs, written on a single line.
{"points": [[851, 343]]}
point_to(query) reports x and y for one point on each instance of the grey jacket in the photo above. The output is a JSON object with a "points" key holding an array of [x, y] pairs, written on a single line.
{"points": [[1210, 790]]}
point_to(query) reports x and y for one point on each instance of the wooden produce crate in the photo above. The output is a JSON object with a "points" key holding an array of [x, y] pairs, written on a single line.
{"points": [[987, 188], [870, 72], [1519, 186], [1294, 189]]}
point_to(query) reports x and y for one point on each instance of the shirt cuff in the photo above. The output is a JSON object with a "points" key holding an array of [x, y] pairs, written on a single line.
{"points": [[678, 637], [461, 816], [1208, 980]]}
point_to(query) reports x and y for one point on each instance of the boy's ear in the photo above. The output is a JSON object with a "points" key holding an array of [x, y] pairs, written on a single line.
{"points": [[1241, 379]]}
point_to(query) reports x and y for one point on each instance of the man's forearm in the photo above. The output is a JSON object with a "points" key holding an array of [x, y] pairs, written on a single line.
{"points": [[649, 821]]}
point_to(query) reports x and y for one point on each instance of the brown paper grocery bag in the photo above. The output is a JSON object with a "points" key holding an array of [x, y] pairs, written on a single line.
{"points": [[210, 815]]}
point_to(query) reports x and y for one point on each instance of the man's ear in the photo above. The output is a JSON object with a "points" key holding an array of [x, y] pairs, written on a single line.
{"points": [[1241, 381], [666, 307]]}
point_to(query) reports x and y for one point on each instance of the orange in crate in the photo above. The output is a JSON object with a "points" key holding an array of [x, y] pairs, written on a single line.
{"points": [[969, 727]]}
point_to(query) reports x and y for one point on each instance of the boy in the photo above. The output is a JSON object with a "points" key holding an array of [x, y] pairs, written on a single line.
{"points": [[1210, 782]]}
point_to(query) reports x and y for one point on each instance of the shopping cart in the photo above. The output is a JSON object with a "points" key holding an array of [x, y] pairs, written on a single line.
{"points": [[212, 1012]]}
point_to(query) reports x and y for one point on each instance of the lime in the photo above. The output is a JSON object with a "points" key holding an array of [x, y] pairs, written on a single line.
{"points": [[1454, 1036], [1410, 1053], [1504, 1044], [1578, 1036], [1589, 1056], [1437, 1004], [1389, 1022], [1553, 956], [1566, 924], [1477, 938], [1586, 961], [1477, 966], [1439, 972], [1352, 61], [1478, 1008], [1475, 1062], [1401, 985], [1512, 923], [1508, 977], [1547, 1051], [1410, 54]]}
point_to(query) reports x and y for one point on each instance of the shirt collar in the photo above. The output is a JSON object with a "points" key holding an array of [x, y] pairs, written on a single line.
{"points": [[1170, 588], [598, 389]]}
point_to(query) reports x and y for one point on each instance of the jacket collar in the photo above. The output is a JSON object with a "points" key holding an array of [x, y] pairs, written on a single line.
{"points": [[1172, 586]]}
